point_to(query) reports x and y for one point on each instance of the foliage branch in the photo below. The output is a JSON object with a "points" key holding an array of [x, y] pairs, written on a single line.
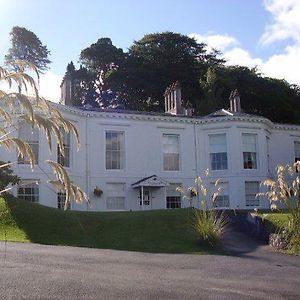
{"points": [[18, 109]]}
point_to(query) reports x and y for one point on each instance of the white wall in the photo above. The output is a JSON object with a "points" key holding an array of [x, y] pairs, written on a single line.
{"points": [[144, 156]]}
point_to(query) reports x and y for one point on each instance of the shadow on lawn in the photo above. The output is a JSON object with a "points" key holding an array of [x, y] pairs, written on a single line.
{"points": [[162, 231]]}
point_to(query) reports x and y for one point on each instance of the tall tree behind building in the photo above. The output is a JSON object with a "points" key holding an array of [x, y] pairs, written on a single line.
{"points": [[155, 62], [269, 97], [28, 47], [98, 61]]}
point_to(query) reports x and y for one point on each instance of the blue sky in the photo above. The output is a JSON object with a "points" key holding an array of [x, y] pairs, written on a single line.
{"points": [[262, 33]]}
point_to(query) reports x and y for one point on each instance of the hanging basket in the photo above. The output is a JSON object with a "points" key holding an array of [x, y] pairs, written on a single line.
{"points": [[98, 192]]}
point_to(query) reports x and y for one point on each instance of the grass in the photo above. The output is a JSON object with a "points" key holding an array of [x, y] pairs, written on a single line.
{"points": [[160, 231], [276, 222]]}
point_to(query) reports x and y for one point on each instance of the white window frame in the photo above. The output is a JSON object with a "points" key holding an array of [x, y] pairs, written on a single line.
{"points": [[28, 190], [250, 195], [176, 196], [113, 203], [115, 195], [296, 151], [214, 156], [32, 141], [61, 200], [174, 167], [120, 153], [65, 160], [250, 158], [223, 199]]}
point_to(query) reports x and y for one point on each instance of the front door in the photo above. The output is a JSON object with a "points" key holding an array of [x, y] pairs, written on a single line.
{"points": [[146, 198]]}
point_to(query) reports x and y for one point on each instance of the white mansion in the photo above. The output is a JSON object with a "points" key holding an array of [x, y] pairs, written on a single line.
{"points": [[138, 159]]}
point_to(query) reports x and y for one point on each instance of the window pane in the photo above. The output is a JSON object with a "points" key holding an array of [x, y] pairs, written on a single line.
{"points": [[249, 142], [218, 161], [114, 150], [173, 198], [251, 189], [64, 160], [249, 151], [297, 151], [115, 202], [173, 202], [222, 201], [171, 157], [115, 188], [218, 152], [217, 143], [61, 200], [28, 191], [250, 160], [32, 138]]}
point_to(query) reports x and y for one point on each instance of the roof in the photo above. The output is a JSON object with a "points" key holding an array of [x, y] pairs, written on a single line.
{"points": [[227, 113], [218, 116], [219, 113], [151, 181]]}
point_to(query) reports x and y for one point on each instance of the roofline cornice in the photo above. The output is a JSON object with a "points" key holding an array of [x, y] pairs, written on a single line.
{"points": [[176, 119]]}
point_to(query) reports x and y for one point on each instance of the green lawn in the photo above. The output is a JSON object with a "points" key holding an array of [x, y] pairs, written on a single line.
{"points": [[276, 221], [164, 231]]}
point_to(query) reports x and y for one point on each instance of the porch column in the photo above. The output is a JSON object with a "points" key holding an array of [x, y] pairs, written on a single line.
{"points": [[142, 197], [165, 195]]}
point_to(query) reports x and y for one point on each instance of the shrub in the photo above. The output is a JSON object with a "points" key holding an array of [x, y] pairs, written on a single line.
{"points": [[208, 224], [284, 193]]}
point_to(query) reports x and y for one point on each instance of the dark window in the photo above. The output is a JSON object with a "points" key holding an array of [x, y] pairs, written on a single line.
{"points": [[173, 202]]}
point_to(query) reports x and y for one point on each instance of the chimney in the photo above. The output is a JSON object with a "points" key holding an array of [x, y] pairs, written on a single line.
{"points": [[173, 101], [235, 101], [66, 90]]}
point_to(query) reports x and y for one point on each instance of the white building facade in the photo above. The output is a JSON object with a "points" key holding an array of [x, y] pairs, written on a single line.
{"points": [[138, 159]]}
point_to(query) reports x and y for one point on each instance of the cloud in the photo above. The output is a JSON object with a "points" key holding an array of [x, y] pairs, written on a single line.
{"points": [[216, 41], [239, 56], [50, 86], [285, 22], [284, 66]]}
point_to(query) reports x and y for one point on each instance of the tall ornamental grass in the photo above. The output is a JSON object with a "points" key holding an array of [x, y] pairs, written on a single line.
{"points": [[283, 192], [208, 223]]}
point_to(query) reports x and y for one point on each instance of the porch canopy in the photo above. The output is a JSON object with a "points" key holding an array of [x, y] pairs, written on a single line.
{"points": [[152, 181]]}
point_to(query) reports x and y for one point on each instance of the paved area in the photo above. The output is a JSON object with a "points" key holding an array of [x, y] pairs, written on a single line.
{"points": [[239, 244], [32, 271]]}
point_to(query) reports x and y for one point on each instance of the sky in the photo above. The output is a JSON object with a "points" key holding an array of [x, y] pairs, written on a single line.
{"points": [[254, 33]]}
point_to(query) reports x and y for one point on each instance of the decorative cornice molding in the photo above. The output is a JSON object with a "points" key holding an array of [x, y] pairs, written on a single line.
{"points": [[287, 127], [136, 116]]}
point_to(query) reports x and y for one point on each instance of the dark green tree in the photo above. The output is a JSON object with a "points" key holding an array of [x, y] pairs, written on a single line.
{"points": [[272, 98], [27, 46], [6, 176], [155, 62], [98, 61]]}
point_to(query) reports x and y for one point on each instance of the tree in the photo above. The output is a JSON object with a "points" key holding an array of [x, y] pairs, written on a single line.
{"points": [[98, 61], [155, 62], [6, 176], [272, 98], [17, 109], [27, 46]]}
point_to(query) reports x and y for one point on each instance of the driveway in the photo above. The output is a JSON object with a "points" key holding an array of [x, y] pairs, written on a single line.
{"points": [[32, 271]]}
